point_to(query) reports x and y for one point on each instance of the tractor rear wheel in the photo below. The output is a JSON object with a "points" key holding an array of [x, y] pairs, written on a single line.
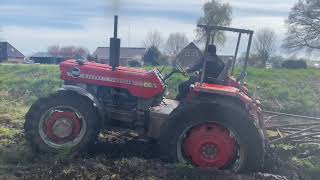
{"points": [[213, 137], [63, 121]]}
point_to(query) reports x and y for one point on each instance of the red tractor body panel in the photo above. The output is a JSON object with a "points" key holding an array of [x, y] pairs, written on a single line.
{"points": [[223, 90], [140, 83]]}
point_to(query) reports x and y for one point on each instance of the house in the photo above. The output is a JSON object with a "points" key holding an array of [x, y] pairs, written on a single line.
{"points": [[189, 56], [8, 53], [128, 56], [45, 58]]}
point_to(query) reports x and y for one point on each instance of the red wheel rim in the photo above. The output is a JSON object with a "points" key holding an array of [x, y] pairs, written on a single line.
{"points": [[210, 145], [61, 127]]}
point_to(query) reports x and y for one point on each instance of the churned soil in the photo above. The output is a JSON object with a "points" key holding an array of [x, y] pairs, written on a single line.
{"points": [[122, 156]]}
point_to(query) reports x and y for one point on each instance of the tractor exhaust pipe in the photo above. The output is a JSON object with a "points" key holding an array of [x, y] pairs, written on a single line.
{"points": [[114, 59], [115, 30]]}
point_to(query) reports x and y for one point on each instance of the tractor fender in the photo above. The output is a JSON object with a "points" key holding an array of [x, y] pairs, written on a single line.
{"points": [[83, 92], [232, 104]]}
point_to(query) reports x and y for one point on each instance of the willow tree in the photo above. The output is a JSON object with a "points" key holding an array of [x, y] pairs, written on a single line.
{"points": [[215, 13]]}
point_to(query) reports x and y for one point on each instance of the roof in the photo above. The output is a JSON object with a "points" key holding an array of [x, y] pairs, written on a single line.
{"points": [[125, 52], [42, 55], [192, 46], [8, 51]]}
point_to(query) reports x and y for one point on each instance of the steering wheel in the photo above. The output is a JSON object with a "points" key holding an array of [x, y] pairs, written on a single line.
{"points": [[178, 67], [242, 76]]}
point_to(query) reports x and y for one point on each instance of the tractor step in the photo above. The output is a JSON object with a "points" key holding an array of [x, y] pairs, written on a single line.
{"points": [[158, 115]]}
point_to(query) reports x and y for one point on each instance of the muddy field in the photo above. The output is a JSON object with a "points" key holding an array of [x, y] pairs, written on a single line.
{"points": [[120, 155]]}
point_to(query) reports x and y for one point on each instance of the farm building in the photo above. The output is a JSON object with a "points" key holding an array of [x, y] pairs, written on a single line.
{"points": [[45, 58], [128, 56], [189, 56], [10, 54]]}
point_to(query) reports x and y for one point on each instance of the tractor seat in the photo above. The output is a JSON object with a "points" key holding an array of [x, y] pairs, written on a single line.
{"points": [[213, 68]]}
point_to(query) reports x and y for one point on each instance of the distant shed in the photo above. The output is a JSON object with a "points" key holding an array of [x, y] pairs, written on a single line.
{"points": [[45, 58]]}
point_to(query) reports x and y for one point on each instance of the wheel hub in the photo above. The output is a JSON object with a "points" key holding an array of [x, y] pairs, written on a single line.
{"points": [[209, 151], [62, 127], [210, 145]]}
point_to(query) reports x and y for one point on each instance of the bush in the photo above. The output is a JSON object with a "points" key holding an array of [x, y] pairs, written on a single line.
{"points": [[152, 56], [294, 64]]}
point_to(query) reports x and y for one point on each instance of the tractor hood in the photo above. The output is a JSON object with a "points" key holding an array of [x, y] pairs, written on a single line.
{"points": [[140, 83]]}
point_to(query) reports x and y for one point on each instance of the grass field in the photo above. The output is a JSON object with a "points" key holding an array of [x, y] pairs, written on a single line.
{"points": [[290, 91]]}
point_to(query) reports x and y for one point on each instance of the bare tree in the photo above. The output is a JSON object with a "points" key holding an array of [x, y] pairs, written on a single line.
{"points": [[68, 52], [54, 50], [303, 27], [265, 44], [153, 39], [176, 42], [81, 52], [216, 14]]}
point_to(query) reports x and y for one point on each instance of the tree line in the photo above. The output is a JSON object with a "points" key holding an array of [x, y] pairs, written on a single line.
{"points": [[302, 35]]}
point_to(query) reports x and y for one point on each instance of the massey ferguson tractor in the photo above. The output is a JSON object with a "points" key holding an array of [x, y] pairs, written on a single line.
{"points": [[218, 125]]}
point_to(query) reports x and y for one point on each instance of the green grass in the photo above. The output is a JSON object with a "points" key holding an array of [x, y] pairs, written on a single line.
{"points": [[6, 132], [20, 86], [290, 91]]}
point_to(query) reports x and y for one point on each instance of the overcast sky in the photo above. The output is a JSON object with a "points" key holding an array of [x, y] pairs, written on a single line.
{"points": [[33, 25]]}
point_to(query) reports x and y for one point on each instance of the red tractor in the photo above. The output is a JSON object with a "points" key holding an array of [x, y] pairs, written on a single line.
{"points": [[215, 126]]}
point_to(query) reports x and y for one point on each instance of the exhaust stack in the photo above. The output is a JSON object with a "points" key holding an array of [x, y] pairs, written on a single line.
{"points": [[114, 59]]}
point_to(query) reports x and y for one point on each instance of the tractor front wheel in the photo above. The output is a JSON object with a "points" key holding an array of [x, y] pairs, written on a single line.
{"points": [[63, 121]]}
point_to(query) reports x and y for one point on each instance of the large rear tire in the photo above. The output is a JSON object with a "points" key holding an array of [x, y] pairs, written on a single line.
{"points": [[62, 121], [212, 137]]}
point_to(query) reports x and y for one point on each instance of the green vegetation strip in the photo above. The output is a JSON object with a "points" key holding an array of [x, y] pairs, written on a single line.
{"points": [[289, 91]]}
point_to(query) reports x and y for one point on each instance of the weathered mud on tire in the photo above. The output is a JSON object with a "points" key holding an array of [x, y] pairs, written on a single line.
{"points": [[61, 98], [186, 115]]}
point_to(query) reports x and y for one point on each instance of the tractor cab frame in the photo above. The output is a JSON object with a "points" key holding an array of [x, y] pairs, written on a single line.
{"points": [[209, 30]]}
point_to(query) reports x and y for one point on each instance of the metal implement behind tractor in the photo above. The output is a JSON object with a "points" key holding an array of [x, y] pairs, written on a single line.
{"points": [[218, 125]]}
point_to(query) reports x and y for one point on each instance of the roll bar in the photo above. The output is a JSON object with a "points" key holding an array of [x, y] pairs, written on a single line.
{"points": [[209, 29]]}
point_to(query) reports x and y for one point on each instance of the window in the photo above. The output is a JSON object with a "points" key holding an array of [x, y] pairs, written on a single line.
{"points": [[195, 54], [12, 49], [187, 54]]}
